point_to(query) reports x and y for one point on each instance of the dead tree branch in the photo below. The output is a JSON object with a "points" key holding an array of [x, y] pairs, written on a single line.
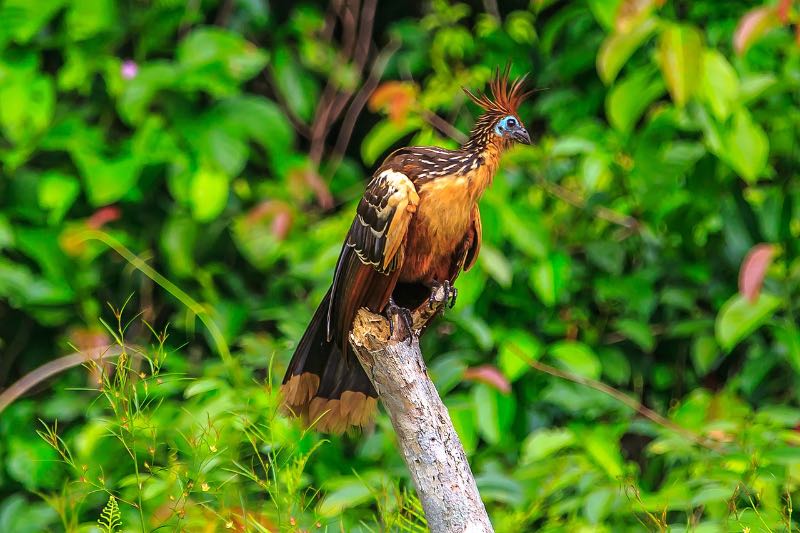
{"points": [[429, 443]]}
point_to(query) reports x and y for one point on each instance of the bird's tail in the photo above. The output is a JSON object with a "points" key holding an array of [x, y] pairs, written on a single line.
{"points": [[325, 387]]}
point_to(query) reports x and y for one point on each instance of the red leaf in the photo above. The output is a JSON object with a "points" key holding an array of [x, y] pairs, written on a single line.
{"points": [[753, 25], [395, 98], [103, 216], [783, 10], [489, 375], [754, 267]]}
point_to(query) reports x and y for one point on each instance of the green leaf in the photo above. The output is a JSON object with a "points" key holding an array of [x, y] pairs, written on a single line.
{"points": [[680, 53], [57, 192], [218, 60], [88, 18], [347, 495], [250, 114], [605, 11], [6, 233], [525, 230], [543, 443], [746, 146], [23, 19], [208, 195], [616, 366], [447, 371], [496, 486], [619, 46], [21, 288], [28, 99], [30, 462], [595, 171], [603, 447], [484, 402], [598, 504], [297, 89], [382, 136], [576, 357], [720, 84], [638, 332], [138, 93], [705, 353], [739, 317], [226, 149], [493, 411], [520, 26], [629, 98], [107, 180], [20, 515], [788, 336], [462, 415], [496, 265], [514, 345], [549, 277]]}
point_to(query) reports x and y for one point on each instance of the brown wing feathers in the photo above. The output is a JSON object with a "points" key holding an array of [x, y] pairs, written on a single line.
{"points": [[324, 383], [367, 269]]}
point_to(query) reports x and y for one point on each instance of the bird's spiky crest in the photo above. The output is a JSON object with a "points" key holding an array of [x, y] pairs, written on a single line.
{"points": [[506, 97]]}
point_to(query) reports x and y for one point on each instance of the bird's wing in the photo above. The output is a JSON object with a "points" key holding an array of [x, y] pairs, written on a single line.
{"points": [[382, 220], [372, 255], [477, 235]]}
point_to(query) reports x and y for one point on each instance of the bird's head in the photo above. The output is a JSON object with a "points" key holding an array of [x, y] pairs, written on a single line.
{"points": [[500, 121]]}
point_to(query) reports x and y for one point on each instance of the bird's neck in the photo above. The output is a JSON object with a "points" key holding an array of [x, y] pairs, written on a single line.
{"points": [[489, 156]]}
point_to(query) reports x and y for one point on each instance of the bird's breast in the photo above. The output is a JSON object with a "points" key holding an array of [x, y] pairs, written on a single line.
{"points": [[442, 220]]}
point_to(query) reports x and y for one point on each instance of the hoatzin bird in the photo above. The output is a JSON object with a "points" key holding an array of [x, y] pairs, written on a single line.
{"points": [[416, 228]]}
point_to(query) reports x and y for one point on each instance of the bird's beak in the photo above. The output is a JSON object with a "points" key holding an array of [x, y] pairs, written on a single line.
{"points": [[521, 135]]}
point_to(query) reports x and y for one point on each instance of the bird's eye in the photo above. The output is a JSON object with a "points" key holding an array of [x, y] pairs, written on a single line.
{"points": [[511, 123]]}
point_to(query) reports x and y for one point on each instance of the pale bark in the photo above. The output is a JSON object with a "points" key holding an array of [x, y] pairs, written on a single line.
{"points": [[429, 443]]}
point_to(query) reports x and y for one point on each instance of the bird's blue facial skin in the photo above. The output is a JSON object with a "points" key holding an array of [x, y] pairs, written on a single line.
{"points": [[506, 125], [511, 128]]}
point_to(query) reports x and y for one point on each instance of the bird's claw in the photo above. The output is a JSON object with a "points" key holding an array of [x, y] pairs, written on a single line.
{"points": [[450, 294], [392, 310]]}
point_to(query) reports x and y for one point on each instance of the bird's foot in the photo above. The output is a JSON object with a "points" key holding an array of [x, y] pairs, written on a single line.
{"points": [[404, 317], [450, 294]]}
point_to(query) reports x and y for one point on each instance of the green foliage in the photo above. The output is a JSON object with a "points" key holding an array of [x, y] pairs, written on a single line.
{"points": [[177, 155], [109, 519]]}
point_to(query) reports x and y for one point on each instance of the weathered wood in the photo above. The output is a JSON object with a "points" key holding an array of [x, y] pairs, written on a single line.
{"points": [[429, 443]]}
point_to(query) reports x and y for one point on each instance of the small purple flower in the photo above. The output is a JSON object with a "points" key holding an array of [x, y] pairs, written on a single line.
{"points": [[129, 69]]}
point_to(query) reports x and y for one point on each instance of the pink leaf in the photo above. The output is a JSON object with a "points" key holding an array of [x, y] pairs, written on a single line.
{"points": [[275, 213], [754, 267], [489, 375], [753, 25], [281, 224]]}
